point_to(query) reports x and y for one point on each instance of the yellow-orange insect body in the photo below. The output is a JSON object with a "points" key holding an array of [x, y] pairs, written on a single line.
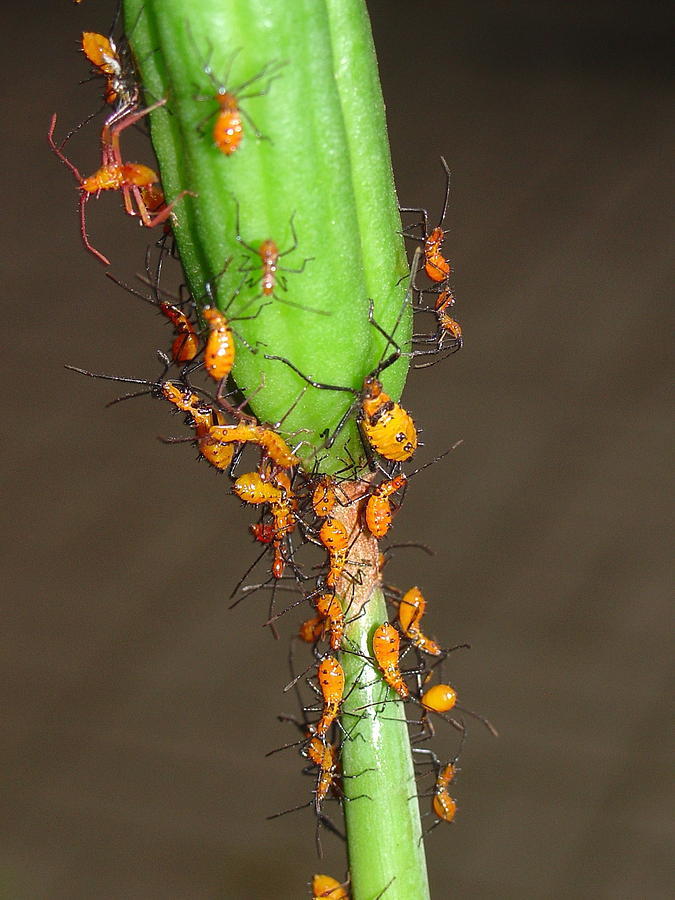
{"points": [[100, 52], [331, 678], [333, 534], [334, 537], [388, 427], [219, 352], [115, 65], [312, 630], [440, 698], [228, 130], [188, 402], [114, 177], [378, 507], [272, 443], [219, 455], [328, 606], [326, 888], [443, 805], [435, 264], [284, 522], [446, 324], [410, 611], [386, 646], [185, 345], [323, 498], [252, 489]]}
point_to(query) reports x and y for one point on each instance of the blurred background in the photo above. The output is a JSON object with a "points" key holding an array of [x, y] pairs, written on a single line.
{"points": [[135, 717]]}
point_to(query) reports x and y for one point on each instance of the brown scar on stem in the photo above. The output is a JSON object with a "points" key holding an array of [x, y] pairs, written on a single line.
{"points": [[363, 578]]}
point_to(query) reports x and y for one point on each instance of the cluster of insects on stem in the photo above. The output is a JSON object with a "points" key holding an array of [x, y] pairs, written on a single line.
{"points": [[300, 510]]}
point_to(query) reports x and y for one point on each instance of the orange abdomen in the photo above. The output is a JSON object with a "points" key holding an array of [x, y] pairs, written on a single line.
{"points": [[219, 352], [228, 130]]}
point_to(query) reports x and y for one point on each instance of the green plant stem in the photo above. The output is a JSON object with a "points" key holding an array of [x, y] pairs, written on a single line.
{"points": [[323, 160], [383, 827], [383, 831]]}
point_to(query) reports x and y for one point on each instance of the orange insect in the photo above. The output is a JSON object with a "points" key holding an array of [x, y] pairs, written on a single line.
{"points": [[446, 327], [274, 446], [329, 608], [443, 806], [334, 537], [323, 497], [228, 128], [410, 611], [441, 698], [115, 65], [323, 756], [251, 488], [378, 508], [115, 175], [219, 352], [436, 266], [202, 417], [386, 647], [269, 254], [326, 888], [378, 513], [185, 345], [331, 678], [386, 426], [284, 523], [311, 630]]}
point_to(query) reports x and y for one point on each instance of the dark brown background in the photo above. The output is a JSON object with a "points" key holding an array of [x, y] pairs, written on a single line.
{"points": [[137, 709]]}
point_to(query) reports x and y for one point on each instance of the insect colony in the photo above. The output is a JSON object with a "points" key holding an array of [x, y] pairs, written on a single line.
{"points": [[343, 516]]}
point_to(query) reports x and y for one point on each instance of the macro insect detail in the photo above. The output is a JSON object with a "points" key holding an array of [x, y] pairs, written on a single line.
{"points": [[316, 499]]}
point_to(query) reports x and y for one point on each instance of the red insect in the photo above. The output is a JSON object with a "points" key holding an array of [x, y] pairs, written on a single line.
{"points": [[116, 175]]}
